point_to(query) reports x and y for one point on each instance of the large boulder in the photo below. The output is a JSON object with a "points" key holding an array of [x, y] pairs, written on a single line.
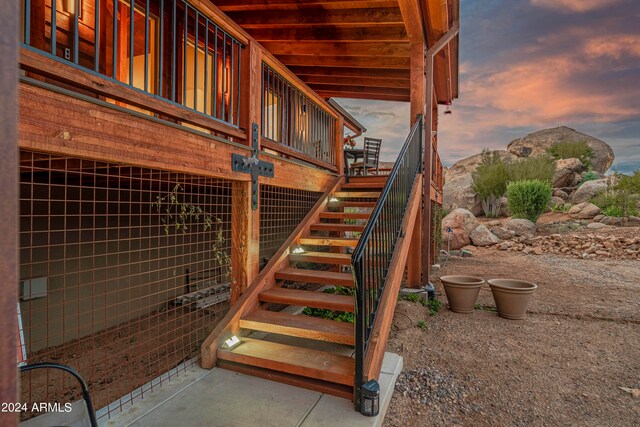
{"points": [[567, 171], [521, 227], [502, 233], [458, 183], [589, 189], [539, 142], [481, 236], [584, 210], [461, 222]]}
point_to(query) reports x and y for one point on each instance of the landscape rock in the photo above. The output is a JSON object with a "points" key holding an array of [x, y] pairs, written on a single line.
{"points": [[611, 220], [561, 194], [598, 218], [633, 220], [504, 206], [589, 189], [556, 201], [539, 142], [596, 225], [461, 222], [584, 210], [567, 171], [521, 227], [502, 233], [458, 183], [481, 236]]}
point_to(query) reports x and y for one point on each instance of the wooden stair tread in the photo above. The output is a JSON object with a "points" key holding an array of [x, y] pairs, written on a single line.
{"points": [[308, 299], [278, 322], [357, 194], [344, 215], [349, 204], [294, 360], [337, 227], [315, 276], [362, 185], [328, 241], [322, 258]]}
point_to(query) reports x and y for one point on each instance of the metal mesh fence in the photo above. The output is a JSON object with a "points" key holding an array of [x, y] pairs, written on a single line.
{"points": [[124, 272], [281, 211]]}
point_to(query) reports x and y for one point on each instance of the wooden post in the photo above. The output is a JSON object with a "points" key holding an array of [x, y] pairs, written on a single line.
{"points": [[245, 235], [426, 171], [9, 207], [340, 145], [414, 260]]}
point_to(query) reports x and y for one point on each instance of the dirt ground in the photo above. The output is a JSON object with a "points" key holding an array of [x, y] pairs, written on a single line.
{"points": [[564, 365]]}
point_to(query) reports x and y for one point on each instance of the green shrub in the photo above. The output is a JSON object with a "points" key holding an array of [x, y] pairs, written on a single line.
{"points": [[572, 150], [617, 203], [528, 199], [540, 168], [589, 176], [339, 316], [629, 183], [490, 182]]}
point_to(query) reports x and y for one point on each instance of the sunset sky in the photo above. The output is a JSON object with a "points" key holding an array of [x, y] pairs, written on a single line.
{"points": [[527, 65]]}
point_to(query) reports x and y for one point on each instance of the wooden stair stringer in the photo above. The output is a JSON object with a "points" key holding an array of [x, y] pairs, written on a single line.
{"points": [[386, 309], [249, 300]]}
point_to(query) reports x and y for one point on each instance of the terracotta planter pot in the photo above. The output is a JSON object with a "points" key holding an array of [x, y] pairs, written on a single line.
{"points": [[462, 292], [512, 297]]}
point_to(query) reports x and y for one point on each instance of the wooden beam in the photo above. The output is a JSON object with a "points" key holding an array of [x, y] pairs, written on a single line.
{"points": [[317, 16], [383, 33], [412, 17], [418, 81], [414, 257], [362, 89], [445, 39], [295, 47], [359, 95], [363, 72], [245, 250], [9, 226], [53, 122], [349, 81], [349, 61], [230, 324], [384, 317], [426, 173], [254, 5]]}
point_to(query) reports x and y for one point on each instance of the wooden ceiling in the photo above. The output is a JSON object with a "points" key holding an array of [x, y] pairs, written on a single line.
{"points": [[348, 49]]}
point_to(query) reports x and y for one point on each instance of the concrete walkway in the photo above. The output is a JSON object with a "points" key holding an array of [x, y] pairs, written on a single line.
{"points": [[219, 397]]}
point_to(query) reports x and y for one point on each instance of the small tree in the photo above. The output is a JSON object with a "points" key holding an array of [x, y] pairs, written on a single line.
{"points": [[622, 200], [541, 168], [528, 199], [490, 182]]}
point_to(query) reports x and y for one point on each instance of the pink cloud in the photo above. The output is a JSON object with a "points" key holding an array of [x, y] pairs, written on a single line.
{"points": [[575, 5], [614, 46]]}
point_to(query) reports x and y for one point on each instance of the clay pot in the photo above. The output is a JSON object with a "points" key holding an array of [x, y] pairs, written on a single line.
{"points": [[462, 292], [512, 297]]}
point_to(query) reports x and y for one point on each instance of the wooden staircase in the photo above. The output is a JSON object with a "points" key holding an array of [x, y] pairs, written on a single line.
{"points": [[277, 341]]}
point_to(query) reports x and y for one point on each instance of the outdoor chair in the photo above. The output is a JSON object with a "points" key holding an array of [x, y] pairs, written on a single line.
{"points": [[369, 164]]}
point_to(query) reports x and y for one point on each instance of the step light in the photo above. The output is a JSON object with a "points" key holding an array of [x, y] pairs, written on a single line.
{"points": [[298, 250], [333, 200], [231, 342]]}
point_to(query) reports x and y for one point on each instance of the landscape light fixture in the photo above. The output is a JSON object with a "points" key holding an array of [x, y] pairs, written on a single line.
{"points": [[298, 250], [333, 200], [370, 398], [447, 108], [232, 342]]}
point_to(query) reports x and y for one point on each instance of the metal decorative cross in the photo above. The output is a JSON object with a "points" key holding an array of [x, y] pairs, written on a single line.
{"points": [[253, 166]]}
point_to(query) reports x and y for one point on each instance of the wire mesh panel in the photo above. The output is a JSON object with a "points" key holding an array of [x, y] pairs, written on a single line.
{"points": [[124, 272], [281, 211]]}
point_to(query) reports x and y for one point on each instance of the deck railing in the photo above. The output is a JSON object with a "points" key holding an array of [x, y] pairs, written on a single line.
{"points": [[372, 256], [166, 48], [293, 121]]}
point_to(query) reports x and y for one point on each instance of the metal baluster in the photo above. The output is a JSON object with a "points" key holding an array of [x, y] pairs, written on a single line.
{"points": [[174, 58], [238, 83], [146, 46], [160, 44], [215, 72], [76, 37], [195, 63], [96, 37], [184, 55], [115, 38], [27, 22], [54, 27], [206, 66], [224, 76], [132, 8]]}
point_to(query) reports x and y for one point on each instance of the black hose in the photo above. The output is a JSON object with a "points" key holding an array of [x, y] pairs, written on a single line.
{"points": [[83, 385]]}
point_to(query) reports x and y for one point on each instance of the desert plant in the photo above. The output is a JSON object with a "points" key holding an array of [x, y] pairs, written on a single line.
{"points": [[617, 203], [540, 168], [589, 176], [528, 199], [339, 316], [433, 305], [572, 150], [422, 325], [629, 183], [490, 182]]}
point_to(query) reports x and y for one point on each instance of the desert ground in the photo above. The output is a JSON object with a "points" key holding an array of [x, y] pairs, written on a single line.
{"points": [[564, 365]]}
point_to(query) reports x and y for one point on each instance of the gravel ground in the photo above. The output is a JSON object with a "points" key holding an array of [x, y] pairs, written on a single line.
{"points": [[563, 365]]}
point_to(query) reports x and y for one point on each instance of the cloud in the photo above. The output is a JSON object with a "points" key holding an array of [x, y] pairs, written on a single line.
{"points": [[615, 46], [580, 6]]}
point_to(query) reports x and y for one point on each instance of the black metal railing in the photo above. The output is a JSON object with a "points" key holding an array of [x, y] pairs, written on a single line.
{"points": [[372, 256], [166, 48], [290, 118]]}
